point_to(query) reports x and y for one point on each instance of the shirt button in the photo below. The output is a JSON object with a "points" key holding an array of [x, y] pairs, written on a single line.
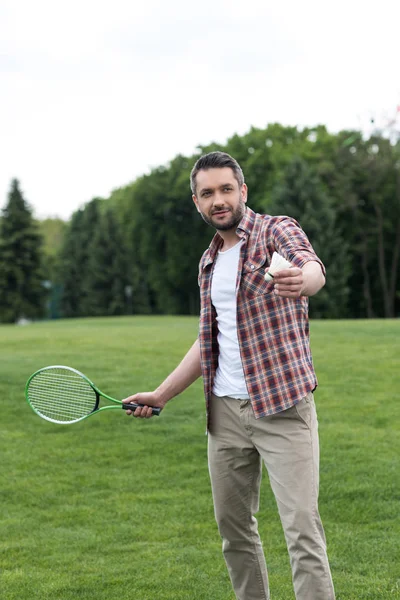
{"points": [[252, 267]]}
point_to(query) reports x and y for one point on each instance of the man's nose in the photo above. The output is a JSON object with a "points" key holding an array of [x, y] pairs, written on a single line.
{"points": [[219, 199]]}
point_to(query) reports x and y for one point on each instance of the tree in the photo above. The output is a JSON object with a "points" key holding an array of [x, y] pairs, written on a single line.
{"points": [[301, 195], [74, 268], [22, 293], [343, 190], [106, 281], [169, 238], [53, 232], [369, 177]]}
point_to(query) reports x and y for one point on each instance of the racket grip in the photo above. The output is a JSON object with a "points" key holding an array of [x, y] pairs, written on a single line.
{"points": [[155, 410]]}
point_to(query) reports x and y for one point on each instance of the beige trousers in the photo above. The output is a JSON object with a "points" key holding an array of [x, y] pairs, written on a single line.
{"points": [[287, 443]]}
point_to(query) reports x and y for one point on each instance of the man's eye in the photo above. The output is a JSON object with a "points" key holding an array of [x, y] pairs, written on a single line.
{"points": [[227, 189]]}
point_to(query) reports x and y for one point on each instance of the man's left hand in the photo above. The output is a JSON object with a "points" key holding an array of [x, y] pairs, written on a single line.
{"points": [[289, 283]]}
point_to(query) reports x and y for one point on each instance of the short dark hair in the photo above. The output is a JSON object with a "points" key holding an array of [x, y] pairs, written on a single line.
{"points": [[216, 160]]}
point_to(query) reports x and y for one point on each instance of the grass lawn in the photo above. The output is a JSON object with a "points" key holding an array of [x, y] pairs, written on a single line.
{"points": [[115, 508]]}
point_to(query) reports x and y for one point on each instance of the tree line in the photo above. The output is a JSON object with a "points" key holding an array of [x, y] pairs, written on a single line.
{"points": [[137, 251]]}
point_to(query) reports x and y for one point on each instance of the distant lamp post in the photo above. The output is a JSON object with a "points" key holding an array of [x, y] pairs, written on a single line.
{"points": [[128, 296], [47, 286]]}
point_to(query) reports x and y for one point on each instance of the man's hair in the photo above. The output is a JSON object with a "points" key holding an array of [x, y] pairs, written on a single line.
{"points": [[216, 160]]}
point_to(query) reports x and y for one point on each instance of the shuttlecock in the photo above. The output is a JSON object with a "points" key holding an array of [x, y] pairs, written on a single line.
{"points": [[278, 263]]}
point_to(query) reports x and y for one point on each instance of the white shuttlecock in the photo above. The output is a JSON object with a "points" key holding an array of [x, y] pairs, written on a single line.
{"points": [[278, 263]]}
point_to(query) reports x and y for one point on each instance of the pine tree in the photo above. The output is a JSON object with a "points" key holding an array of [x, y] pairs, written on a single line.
{"points": [[301, 195], [22, 293]]}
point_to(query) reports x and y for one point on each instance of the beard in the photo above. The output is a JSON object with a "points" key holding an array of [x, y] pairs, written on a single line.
{"points": [[236, 216]]}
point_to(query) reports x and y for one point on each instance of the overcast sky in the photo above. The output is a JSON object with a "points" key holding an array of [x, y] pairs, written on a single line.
{"points": [[95, 93]]}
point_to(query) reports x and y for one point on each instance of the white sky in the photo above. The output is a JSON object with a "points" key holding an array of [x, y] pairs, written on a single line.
{"points": [[95, 93]]}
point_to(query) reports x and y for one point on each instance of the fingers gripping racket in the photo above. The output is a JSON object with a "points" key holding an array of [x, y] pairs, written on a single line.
{"points": [[64, 395]]}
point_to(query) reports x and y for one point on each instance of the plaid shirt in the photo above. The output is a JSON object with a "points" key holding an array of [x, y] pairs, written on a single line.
{"points": [[273, 332]]}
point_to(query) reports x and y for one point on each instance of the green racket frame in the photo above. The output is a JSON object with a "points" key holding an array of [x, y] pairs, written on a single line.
{"points": [[117, 404]]}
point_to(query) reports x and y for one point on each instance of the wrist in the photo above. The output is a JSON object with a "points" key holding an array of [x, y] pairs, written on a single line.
{"points": [[161, 396]]}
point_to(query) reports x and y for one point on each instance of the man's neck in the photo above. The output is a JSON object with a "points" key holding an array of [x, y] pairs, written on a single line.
{"points": [[230, 239]]}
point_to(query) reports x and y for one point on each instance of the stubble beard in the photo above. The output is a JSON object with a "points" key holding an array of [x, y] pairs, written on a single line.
{"points": [[236, 216]]}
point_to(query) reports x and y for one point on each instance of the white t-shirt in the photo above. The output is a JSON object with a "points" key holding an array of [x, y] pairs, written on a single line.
{"points": [[229, 378]]}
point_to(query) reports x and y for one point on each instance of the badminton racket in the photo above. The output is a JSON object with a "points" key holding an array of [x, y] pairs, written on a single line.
{"points": [[64, 395]]}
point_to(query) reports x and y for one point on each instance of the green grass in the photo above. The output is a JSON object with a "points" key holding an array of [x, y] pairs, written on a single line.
{"points": [[115, 508]]}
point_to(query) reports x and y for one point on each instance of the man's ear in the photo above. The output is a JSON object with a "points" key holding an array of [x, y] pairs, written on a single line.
{"points": [[244, 192], [196, 203]]}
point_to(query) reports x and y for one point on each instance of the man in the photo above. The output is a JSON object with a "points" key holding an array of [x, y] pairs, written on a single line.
{"points": [[253, 353]]}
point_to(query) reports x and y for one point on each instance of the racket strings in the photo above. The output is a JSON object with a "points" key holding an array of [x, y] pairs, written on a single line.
{"points": [[61, 395]]}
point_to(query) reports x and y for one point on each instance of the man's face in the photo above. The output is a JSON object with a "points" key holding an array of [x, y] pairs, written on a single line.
{"points": [[219, 199]]}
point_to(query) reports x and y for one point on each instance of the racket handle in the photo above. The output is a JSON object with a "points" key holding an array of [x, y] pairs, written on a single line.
{"points": [[155, 410]]}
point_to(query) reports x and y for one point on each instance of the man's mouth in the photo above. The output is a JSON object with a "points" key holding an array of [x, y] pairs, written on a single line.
{"points": [[220, 213]]}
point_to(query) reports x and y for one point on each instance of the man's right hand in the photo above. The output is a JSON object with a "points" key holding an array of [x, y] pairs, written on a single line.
{"points": [[148, 399]]}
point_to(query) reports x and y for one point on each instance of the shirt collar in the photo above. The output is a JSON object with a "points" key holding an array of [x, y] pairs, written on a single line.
{"points": [[247, 223]]}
